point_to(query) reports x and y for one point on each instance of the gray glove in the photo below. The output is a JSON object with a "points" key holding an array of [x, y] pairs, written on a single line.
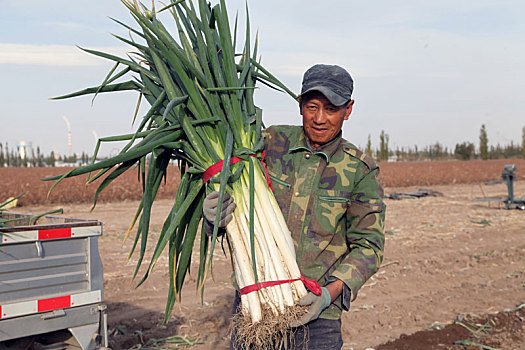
{"points": [[317, 304], [209, 208]]}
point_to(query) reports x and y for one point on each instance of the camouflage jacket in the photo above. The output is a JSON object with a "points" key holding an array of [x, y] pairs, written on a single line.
{"points": [[333, 206]]}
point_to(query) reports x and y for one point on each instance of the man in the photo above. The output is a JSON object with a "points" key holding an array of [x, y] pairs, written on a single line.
{"points": [[329, 194]]}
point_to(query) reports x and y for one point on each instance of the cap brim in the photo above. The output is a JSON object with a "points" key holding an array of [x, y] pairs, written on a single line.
{"points": [[334, 98]]}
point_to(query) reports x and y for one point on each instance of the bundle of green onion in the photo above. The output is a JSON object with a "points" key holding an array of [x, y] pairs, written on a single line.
{"points": [[202, 112]]}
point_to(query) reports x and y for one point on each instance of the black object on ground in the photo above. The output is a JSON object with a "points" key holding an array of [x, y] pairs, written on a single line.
{"points": [[422, 192]]}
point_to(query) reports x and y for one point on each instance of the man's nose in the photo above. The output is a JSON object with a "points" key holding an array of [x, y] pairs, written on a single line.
{"points": [[320, 116]]}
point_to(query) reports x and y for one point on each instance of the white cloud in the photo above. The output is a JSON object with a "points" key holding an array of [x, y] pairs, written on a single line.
{"points": [[53, 55], [67, 25]]}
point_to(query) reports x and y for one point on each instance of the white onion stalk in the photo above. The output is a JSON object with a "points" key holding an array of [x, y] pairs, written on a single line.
{"points": [[274, 251]]}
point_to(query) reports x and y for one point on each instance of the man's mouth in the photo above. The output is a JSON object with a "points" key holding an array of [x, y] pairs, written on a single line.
{"points": [[320, 130]]}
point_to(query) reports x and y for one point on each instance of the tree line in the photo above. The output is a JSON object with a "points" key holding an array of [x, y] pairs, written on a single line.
{"points": [[11, 157], [462, 151]]}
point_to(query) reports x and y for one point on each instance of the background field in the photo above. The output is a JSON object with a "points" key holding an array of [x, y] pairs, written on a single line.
{"points": [[126, 187], [450, 263]]}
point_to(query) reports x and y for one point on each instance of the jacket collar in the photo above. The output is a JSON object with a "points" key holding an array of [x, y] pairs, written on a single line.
{"points": [[327, 150]]}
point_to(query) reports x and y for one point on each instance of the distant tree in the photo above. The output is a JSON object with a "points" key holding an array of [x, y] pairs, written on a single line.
{"points": [[84, 158], [369, 147], [523, 142], [496, 152], [50, 161], [39, 160], [7, 155], [24, 158], [464, 151], [33, 158], [416, 152], [15, 159], [2, 158], [483, 143], [383, 146], [435, 151], [512, 150], [70, 159]]}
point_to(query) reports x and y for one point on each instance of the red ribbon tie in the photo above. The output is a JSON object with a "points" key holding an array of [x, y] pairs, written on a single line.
{"points": [[217, 168], [312, 285]]}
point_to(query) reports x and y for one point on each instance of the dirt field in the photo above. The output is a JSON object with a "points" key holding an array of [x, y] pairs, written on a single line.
{"points": [[26, 180], [73, 190], [450, 265]]}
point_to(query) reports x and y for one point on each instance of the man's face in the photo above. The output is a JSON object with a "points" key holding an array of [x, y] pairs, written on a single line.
{"points": [[322, 121]]}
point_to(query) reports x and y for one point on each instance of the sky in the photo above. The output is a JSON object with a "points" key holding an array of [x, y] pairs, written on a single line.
{"points": [[424, 71]]}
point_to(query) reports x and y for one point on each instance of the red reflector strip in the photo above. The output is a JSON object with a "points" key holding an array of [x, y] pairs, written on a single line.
{"points": [[54, 233], [45, 305], [54, 303]]}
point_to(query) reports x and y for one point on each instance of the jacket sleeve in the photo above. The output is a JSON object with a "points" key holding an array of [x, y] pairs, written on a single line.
{"points": [[364, 232]]}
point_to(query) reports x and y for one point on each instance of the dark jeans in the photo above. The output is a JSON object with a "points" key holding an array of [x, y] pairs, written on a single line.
{"points": [[320, 334]]}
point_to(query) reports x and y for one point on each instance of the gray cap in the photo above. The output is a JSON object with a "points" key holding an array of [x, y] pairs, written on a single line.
{"points": [[332, 81]]}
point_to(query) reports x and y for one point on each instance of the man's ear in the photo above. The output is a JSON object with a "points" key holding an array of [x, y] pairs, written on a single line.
{"points": [[348, 111]]}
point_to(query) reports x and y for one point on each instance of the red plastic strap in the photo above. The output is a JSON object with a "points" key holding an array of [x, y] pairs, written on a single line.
{"points": [[217, 168], [263, 155], [312, 285]]}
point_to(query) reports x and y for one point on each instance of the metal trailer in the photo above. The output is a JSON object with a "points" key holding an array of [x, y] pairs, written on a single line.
{"points": [[51, 284]]}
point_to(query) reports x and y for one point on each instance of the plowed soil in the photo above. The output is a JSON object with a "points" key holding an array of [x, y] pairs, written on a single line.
{"points": [[453, 274], [73, 190]]}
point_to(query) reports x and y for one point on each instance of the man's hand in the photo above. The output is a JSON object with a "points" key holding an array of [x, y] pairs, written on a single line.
{"points": [[317, 304], [209, 208]]}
